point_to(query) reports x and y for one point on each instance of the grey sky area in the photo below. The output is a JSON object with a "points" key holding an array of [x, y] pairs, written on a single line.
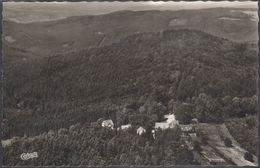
{"points": [[44, 11]]}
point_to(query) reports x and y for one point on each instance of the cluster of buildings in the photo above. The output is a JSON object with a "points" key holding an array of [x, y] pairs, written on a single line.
{"points": [[109, 124], [170, 122]]}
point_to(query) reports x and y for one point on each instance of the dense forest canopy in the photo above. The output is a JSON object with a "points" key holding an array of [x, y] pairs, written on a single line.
{"points": [[174, 64]]}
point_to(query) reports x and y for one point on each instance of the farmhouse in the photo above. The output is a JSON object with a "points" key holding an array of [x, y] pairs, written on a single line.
{"points": [[108, 124], [161, 125], [171, 122]]}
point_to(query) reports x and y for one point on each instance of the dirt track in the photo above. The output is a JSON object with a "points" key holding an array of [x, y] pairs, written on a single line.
{"points": [[216, 134]]}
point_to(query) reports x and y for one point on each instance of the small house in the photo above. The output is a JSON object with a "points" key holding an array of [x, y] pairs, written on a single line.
{"points": [[108, 124], [140, 131], [124, 127]]}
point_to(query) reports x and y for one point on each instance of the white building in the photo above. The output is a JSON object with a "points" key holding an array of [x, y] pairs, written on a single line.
{"points": [[108, 124], [124, 127], [6, 143], [140, 131], [9, 142], [171, 122], [162, 125]]}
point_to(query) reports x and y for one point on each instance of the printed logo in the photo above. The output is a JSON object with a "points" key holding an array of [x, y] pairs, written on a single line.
{"points": [[27, 156]]}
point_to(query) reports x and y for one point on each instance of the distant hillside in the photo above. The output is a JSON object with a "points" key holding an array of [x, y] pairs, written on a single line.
{"points": [[81, 32], [177, 63]]}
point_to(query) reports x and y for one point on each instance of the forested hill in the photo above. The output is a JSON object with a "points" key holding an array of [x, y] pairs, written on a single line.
{"points": [[173, 64], [80, 32], [184, 62]]}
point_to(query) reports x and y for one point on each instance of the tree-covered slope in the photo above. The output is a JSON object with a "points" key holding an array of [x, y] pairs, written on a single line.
{"points": [[80, 86]]}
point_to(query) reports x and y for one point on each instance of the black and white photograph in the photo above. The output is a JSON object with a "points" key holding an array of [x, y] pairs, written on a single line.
{"points": [[147, 83]]}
